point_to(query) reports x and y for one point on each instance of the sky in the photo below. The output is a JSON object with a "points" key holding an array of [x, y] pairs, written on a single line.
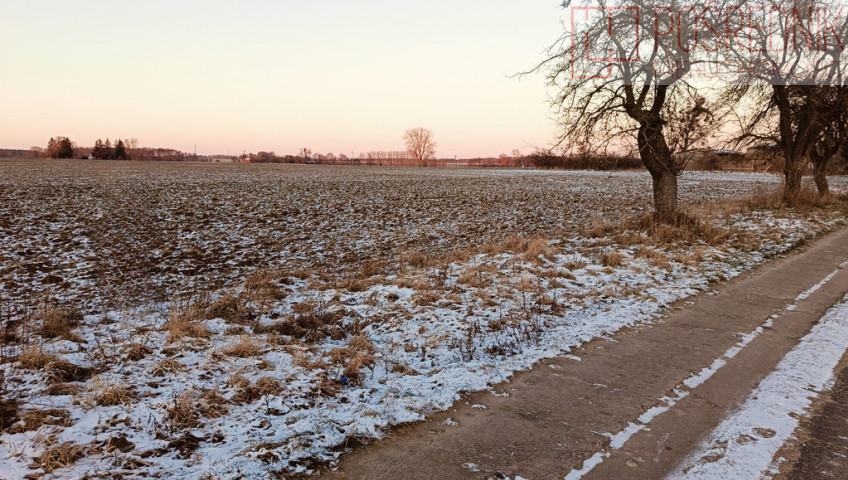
{"points": [[277, 75]]}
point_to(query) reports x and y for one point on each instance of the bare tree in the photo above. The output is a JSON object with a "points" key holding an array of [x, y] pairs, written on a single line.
{"points": [[614, 85], [788, 73], [420, 144], [833, 138], [132, 147], [691, 122]]}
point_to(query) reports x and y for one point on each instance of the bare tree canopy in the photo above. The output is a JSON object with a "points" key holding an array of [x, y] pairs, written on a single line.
{"points": [[420, 144], [790, 82], [630, 68], [615, 84]]}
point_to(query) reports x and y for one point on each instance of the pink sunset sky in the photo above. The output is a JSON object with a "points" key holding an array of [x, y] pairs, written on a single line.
{"points": [[331, 75]]}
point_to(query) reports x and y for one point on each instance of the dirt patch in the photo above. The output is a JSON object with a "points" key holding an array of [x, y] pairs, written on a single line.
{"points": [[824, 452]]}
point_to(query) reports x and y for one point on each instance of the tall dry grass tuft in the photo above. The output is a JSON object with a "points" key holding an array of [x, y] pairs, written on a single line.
{"points": [[770, 199], [245, 348], [58, 322], [184, 320], [537, 248], [358, 354], [232, 309], [655, 256], [599, 229], [612, 259], [113, 395], [251, 393], [56, 457], [262, 287], [33, 357], [684, 227]]}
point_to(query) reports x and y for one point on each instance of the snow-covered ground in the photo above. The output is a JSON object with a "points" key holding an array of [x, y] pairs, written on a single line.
{"points": [[745, 443], [285, 369], [116, 234]]}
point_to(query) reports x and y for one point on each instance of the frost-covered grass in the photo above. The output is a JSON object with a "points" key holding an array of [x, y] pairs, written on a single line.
{"points": [[362, 320], [116, 234]]}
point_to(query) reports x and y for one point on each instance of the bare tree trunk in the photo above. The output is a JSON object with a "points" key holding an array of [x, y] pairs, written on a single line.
{"points": [[657, 158], [820, 172], [793, 172], [665, 195]]}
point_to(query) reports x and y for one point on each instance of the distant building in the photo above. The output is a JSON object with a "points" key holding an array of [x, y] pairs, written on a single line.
{"points": [[767, 156], [715, 159]]}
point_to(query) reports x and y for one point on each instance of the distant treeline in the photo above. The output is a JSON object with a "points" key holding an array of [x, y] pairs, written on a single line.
{"points": [[128, 149], [385, 159], [586, 162], [17, 153], [121, 149]]}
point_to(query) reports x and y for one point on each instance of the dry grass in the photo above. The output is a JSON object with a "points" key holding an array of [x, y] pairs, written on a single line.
{"points": [[612, 259], [212, 405], [685, 228], [312, 325], [416, 259], [692, 258], [767, 199], [34, 419], [575, 265], [34, 357], [189, 408], [183, 321], [264, 386], [425, 298], [56, 457], [599, 229], [60, 389], [358, 354], [167, 366], [245, 348], [655, 256], [137, 351], [113, 395], [537, 248], [182, 413], [262, 288], [59, 322], [479, 276], [8, 413], [232, 309], [63, 371]]}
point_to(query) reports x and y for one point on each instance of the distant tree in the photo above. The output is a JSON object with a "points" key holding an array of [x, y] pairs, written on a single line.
{"points": [[120, 152], [305, 153], [132, 147], [104, 151], [60, 147], [420, 144], [98, 150]]}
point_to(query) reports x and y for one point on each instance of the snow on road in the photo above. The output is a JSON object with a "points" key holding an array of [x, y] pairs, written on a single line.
{"points": [[745, 443]]}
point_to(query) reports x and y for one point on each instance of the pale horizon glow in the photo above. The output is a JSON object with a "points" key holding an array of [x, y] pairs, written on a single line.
{"points": [[330, 75]]}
